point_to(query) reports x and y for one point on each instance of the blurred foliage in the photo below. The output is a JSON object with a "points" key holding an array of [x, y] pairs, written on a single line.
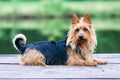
{"points": [[51, 20], [107, 40]]}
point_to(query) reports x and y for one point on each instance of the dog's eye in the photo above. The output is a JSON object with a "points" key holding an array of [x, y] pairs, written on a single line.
{"points": [[77, 30], [85, 29]]}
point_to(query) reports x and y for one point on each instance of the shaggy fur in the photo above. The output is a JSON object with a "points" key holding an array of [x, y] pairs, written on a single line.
{"points": [[86, 46], [32, 57], [76, 50]]}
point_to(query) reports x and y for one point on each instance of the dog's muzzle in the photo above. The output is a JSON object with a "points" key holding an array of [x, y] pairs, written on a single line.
{"points": [[81, 37]]}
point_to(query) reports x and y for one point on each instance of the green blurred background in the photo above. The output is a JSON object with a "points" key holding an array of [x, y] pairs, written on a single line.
{"points": [[51, 20]]}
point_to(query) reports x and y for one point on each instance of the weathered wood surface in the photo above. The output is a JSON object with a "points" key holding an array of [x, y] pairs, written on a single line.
{"points": [[11, 70]]}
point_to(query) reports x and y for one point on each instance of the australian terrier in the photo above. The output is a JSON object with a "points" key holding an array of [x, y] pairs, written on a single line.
{"points": [[76, 50]]}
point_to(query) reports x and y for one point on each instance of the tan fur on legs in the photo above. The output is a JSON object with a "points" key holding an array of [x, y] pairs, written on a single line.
{"points": [[74, 59], [32, 58], [89, 58], [90, 63], [100, 61]]}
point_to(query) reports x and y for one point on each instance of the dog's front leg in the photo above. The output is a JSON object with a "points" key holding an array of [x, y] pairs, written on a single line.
{"points": [[74, 59], [89, 60]]}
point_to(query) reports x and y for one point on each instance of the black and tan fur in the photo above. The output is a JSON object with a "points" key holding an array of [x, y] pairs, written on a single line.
{"points": [[76, 50]]}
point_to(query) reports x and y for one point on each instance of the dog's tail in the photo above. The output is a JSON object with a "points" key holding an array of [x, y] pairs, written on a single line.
{"points": [[18, 41]]}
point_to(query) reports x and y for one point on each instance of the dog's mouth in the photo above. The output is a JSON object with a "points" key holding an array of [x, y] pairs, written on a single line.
{"points": [[82, 40]]}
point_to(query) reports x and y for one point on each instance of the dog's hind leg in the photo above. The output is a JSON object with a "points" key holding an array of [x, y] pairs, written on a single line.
{"points": [[32, 58]]}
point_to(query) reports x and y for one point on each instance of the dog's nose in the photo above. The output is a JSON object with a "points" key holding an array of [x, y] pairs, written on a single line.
{"points": [[81, 37]]}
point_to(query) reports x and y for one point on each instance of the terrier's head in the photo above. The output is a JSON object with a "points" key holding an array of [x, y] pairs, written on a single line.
{"points": [[81, 31]]}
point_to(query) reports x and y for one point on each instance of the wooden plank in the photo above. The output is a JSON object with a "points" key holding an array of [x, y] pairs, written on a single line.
{"points": [[11, 67], [111, 58], [11, 70], [9, 60], [98, 55], [16, 71]]}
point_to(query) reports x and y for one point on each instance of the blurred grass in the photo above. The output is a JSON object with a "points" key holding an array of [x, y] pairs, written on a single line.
{"points": [[51, 20]]}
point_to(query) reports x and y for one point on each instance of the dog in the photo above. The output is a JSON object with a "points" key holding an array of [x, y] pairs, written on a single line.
{"points": [[76, 50]]}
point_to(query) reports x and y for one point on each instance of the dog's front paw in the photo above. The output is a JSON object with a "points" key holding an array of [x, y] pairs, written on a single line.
{"points": [[81, 63], [90, 63], [100, 61], [76, 63]]}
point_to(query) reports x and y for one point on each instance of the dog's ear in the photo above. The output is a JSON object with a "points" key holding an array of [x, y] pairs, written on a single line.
{"points": [[75, 19], [87, 19]]}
